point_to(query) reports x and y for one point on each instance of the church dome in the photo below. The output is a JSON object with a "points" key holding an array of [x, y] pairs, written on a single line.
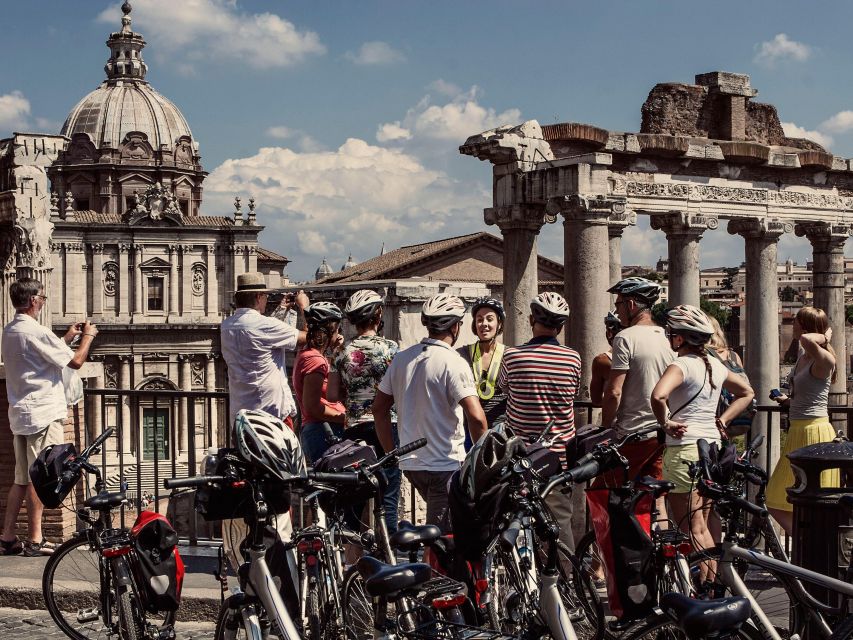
{"points": [[349, 264], [125, 102], [323, 270]]}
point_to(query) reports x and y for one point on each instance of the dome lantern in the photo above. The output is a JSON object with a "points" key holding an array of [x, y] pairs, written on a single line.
{"points": [[125, 61]]}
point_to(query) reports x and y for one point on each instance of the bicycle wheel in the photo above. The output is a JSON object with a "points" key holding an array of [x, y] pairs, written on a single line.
{"points": [[229, 623], [586, 612], [509, 607], [312, 610], [129, 625], [659, 626], [359, 609], [771, 592]]}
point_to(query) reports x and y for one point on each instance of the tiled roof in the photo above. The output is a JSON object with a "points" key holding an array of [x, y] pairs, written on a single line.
{"points": [[93, 217], [388, 264], [272, 256]]}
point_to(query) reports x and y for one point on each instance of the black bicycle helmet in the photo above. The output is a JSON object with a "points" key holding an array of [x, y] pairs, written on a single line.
{"points": [[362, 305], [491, 303], [640, 289], [550, 309], [322, 312], [612, 321]]}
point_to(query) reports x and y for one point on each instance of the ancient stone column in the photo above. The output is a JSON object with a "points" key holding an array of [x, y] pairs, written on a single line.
{"points": [[587, 277], [519, 225], [184, 384], [174, 285], [125, 384], [616, 224], [762, 318], [827, 242], [124, 277], [683, 232]]}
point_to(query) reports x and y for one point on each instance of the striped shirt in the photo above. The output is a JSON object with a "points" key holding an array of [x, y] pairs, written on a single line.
{"points": [[541, 379]]}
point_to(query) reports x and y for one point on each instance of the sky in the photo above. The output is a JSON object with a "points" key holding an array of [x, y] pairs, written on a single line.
{"points": [[343, 119]]}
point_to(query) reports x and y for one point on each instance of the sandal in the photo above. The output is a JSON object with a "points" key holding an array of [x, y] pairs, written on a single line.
{"points": [[35, 549], [11, 548]]}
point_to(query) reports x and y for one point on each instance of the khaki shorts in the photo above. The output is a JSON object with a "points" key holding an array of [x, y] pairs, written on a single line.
{"points": [[27, 448], [675, 466]]}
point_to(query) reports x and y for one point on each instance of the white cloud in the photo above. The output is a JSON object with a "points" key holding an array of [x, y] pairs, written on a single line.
{"points": [[328, 203], [14, 112], [391, 131], [445, 88], [203, 29], [375, 53], [794, 131], [841, 122], [781, 47], [281, 132]]}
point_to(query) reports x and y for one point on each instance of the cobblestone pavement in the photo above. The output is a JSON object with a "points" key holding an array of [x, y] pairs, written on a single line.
{"points": [[35, 624]]}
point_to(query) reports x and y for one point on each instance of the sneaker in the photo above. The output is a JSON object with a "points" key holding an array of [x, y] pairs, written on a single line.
{"points": [[43, 548], [11, 547]]}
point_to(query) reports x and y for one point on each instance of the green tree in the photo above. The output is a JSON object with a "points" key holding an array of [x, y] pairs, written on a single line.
{"points": [[788, 294], [848, 313], [728, 282], [715, 310]]}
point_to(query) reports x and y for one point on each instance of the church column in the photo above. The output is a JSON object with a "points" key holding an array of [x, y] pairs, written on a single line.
{"points": [[616, 224], [253, 258], [762, 317], [212, 293], [97, 280], [124, 277], [210, 386], [587, 276], [125, 384], [184, 384], [519, 225], [138, 309], [75, 264], [827, 242], [238, 264], [173, 280], [683, 232], [186, 280]]}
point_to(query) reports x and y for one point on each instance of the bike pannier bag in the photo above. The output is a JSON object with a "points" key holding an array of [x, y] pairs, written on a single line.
{"points": [[473, 521], [346, 456], [217, 502], [543, 460], [46, 472], [157, 565], [621, 519], [585, 440]]}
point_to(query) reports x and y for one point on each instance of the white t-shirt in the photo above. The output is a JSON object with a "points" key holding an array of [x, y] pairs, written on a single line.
{"points": [[642, 351], [428, 381], [254, 346], [34, 357], [700, 415]]}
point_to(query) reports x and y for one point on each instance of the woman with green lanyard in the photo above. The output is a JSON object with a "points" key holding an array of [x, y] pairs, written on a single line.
{"points": [[484, 358]]}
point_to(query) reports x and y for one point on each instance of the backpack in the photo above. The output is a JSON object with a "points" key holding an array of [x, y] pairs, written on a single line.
{"points": [[473, 520], [156, 563], [742, 423], [347, 455], [46, 473]]}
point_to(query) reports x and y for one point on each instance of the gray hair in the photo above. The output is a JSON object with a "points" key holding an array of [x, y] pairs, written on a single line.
{"points": [[22, 291]]}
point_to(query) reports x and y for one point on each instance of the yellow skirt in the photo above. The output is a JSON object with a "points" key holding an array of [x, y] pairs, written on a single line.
{"points": [[801, 433]]}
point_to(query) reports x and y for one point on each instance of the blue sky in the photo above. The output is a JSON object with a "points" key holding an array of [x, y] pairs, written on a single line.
{"points": [[343, 118]]}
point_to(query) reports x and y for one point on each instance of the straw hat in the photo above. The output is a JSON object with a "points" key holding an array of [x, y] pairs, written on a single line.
{"points": [[253, 282]]}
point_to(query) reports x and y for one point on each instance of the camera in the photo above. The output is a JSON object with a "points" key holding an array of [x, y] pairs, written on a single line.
{"points": [[775, 393]]}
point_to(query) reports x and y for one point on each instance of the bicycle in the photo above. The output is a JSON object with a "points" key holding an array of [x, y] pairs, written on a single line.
{"points": [[733, 560], [88, 584], [682, 617]]}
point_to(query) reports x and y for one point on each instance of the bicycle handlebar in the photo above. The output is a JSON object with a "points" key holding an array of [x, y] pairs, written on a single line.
{"points": [[341, 477], [195, 481], [88, 451], [509, 535]]}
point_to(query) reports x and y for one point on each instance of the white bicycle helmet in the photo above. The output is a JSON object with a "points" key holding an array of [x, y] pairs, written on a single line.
{"points": [[322, 312], [362, 305], [641, 289], [442, 311], [550, 309], [691, 323], [265, 440]]}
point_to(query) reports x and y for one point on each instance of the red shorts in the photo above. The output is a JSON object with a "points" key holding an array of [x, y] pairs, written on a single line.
{"points": [[645, 458]]}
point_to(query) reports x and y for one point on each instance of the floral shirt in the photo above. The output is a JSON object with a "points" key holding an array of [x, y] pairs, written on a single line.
{"points": [[361, 365]]}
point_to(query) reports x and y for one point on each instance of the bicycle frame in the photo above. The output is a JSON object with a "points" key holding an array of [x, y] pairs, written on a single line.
{"points": [[730, 577]]}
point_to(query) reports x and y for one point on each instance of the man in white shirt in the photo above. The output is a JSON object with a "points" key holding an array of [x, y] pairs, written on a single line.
{"points": [[432, 388], [254, 347], [34, 358]]}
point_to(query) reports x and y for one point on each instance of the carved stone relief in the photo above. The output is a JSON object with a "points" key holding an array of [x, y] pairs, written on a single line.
{"points": [[197, 372], [110, 278], [199, 274]]}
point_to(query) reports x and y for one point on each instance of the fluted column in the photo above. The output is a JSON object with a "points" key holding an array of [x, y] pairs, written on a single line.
{"points": [[827, 242], [97, 280], [683, 232], [762, 317], [616, 224], [125, 383], [210, 386], [212, 293], [124, 278], [184, 384], [587, 276], [138, 309], [173, 280], [519, 225], [186, 280]]}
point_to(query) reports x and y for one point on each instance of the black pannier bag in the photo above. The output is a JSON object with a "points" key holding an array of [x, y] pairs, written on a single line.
{"points": [[585, 440], [46, 472], [543, 461], [347, 455], [474, 521], [157, 566], [227, 502]]}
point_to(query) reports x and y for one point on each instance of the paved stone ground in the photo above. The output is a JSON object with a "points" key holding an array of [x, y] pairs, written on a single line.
{"points": [[35, 624]]}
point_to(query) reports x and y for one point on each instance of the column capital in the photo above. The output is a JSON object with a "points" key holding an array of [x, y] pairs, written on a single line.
{"points": [[760, 228], [823, 234], [96, 247], [591, 209], [518, 216], [683, 223], [617, 222]]}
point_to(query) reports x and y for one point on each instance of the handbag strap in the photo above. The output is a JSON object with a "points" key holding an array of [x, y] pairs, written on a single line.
{"points": [[695, 395]]}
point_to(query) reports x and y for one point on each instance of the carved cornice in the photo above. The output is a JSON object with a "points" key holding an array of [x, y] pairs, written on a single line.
{"points": [[96, 247], [682, 223], [760, 228], [529, 217]]}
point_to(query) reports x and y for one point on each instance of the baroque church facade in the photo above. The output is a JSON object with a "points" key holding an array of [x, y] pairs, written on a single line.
{"points": [[108, 215]]}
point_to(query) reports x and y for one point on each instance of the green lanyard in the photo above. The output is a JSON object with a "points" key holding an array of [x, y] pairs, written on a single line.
{"points": [[486, 386]]}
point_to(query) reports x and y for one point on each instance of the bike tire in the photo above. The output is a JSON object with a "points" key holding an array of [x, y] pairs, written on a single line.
{"points": [[129, 625], [359, 608], [660, 626], [579, 594], [843, 631], [770, 590], [312, 610]]}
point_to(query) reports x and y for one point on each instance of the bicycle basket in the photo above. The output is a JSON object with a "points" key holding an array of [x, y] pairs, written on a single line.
{"points": [[156, 564], [227, 502], [46, 472], [346, 456]]}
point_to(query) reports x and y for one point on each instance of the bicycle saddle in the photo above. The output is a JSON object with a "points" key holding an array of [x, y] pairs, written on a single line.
{"points": [[382, 579], [699, 618], [659, 487], [409, 537], [106, 500]]}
